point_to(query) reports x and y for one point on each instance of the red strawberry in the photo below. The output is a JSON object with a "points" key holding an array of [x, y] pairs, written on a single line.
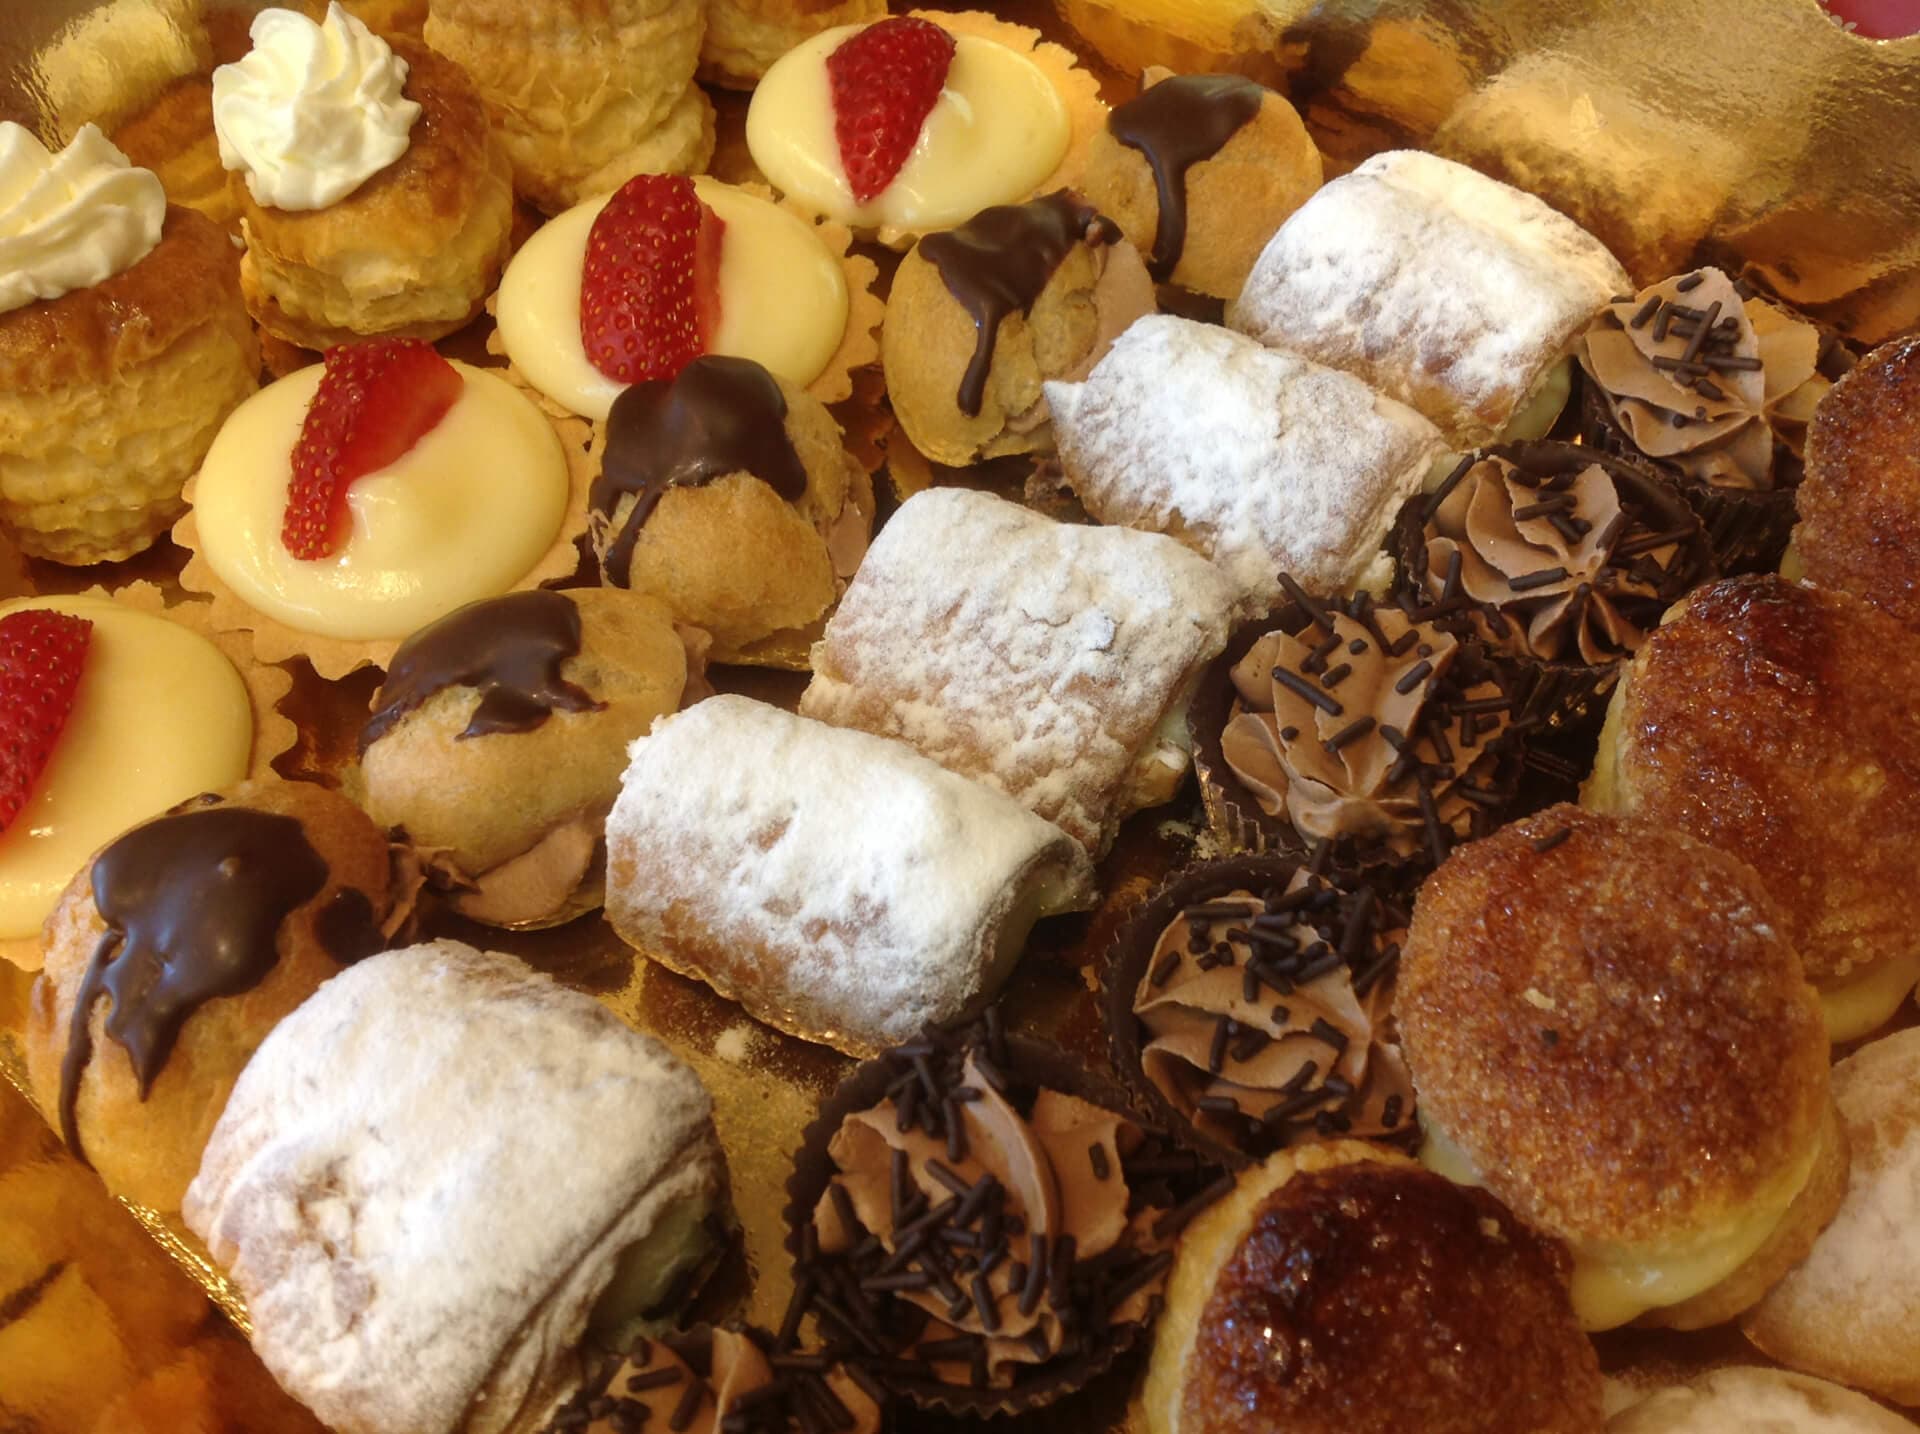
{"points": [[375, 401], [884, 82], [42, 654], [650, 289]]}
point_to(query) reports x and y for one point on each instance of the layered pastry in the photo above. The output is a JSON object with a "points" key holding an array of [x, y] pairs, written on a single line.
{"points": [[1362, 728], [1262, 461], [173, 136], [1050, 661], [176, 951], [352, 503], [441, 1172], [1341, 1287], [373, 197], [1449, 291], [1859, 507], [726, 494], [500, 733], [920, 121], [1609, 1030], [982, 1221], [839, 886], [585, 94], [1753, 1400], [1249, 1006], [980, 317], [745, 37], [1769, 720], [634, 285], [1847, 1310], [123, 345], [115, 709], [1199, 171]]}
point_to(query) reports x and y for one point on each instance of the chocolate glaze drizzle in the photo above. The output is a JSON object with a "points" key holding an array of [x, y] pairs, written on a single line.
{"points": [[1175, 125], [998, 262], [721, 415], [193, 903], [510, 647]]}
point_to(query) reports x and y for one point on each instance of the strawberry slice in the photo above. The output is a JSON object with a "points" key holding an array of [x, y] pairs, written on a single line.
{"points": [[650, 288], [884, 82], [42, 654], [375, 401]]}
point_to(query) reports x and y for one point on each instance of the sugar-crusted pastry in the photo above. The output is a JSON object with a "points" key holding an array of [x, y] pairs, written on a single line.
{"points": [[123, 344], [1343, 1288], [1051, 661], [838, 885], [173, 136], [1259, 460], [1742, 1400], [1608, 1028], [1770, 720], [436, 1173], [1448, 291], [745, 37], [374, 199]]}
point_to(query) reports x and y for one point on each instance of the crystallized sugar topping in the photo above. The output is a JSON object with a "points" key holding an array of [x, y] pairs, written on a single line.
{"points": [[1447, 290], [1035, 656], [1257, 459]]}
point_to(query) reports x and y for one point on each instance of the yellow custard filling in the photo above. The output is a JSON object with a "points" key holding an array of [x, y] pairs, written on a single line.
{"points": [[997, 131], [783, 299], [160, 715], [1867, 999], [464, 514]]}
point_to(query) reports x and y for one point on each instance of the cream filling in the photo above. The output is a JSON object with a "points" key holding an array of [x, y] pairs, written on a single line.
{"points": [[997, 131], [1162, 760], [1792, 566], [783, 299], [463, 515], [160, 715], [1544, 401], [1866, 1000], [644, 1273]]}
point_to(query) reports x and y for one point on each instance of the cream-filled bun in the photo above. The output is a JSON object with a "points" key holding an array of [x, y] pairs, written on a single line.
{"points": [[1741, 1400]]}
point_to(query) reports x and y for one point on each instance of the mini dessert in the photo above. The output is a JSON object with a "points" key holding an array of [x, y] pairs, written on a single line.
{"points": [[1381, 736], [1859, 507], [1847, 1310], [725, 494], [839, 886], [1738, 1400], [1261, 461], [634, 285], [1051, 661], [1344, 1288], [745, 37], [440, 1172], [500, 733], [173, 136], [920, 121], [1199, 171], [585, 94], [351, 504], [373, 198], [1771, 720], [981, 316], [1609, 1030], [171, 957], [1448, 291], [123, 345], [1248, 1006]]}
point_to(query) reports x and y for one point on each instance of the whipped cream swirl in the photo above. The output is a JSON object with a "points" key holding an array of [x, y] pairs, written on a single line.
{"points": [[70, 220], [313, 111]]}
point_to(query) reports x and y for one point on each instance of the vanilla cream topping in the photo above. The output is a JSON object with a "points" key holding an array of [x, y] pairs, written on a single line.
{"points": [[72, 219], [313, 111], [997, 131], [462, 515], [783, 299], [160, 715]]}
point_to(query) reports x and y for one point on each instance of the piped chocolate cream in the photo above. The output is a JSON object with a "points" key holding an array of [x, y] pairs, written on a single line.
{"points": [[1175, 125]]}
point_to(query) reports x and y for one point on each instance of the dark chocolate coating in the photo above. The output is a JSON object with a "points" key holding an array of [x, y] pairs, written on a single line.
{"points": [[1176, 124]]}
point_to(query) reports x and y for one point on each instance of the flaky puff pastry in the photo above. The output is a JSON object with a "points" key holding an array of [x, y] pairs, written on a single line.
{"points": [[413, 252], [744, 37], [173, 136], [586, 93], [110, 395]]}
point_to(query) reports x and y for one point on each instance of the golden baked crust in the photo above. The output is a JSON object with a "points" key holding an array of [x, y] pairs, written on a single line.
{"points": [[1860, 502], [745, 37], [1773, 721], [1616, 1031], [174, 137]]}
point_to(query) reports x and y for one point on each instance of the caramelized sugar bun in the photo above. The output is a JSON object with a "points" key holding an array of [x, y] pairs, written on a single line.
{"points": [[1343, 1290], [173, 955], [1609, 1029], [1774, 722]]}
